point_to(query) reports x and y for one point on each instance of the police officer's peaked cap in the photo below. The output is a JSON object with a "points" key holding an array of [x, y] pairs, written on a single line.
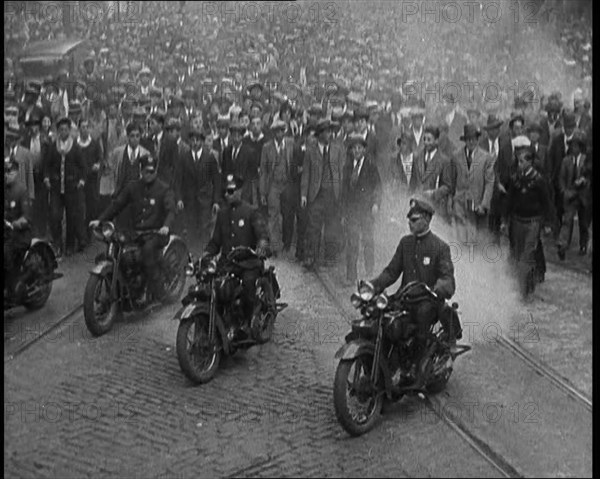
{"points": [[147, 163], [233, 181], [419, 206]]}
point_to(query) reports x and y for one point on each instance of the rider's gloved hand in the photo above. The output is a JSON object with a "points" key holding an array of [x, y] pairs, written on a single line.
{"points": [[19, 223], [94, 224], [262, 249], [164, 231]]}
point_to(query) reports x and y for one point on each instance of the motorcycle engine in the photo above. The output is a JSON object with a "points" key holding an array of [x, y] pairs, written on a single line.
{"points": [[229, 288], [131, 261], [399, 327]]}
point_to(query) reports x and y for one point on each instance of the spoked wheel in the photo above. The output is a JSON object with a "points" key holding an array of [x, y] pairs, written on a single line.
{"points": [[357, 403], [39, 286], [440, 369], [174, 261], [100, 313], [198, 356], [265, 313]]}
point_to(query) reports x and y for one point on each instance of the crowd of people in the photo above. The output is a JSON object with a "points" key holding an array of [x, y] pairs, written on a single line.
{"points": [[316, 117]]}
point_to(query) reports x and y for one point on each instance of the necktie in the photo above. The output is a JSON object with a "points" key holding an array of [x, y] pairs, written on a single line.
{"points": [[427, 159], [469, 159], [354, 178]]}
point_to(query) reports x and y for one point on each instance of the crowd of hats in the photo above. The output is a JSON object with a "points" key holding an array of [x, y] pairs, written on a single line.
{"points": [[364, 48]]}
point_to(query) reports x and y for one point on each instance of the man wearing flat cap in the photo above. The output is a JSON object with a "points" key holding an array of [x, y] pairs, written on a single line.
{"points": [[556, 153], [276, 177], [321, 190], [199, 181], [361, 198], [575, 186], [240, 224], [153, 204], [165, 149], [64, 176], [424, 257], [473, 171]]}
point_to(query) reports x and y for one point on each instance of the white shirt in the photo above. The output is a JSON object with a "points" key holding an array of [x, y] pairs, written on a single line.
{"points": [[418, 134], [450, 117], [278, 146], [567, 141], [429, 156], [360, 165], [493, 146], [321, 147], [407, 162], [235, 152], [132, 154], [196, 155]]}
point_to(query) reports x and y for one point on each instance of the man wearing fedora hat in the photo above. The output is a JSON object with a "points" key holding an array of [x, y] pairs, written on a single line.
{"points": [[38, 146], [575, 181], [276, 177], [361, 198], [473, 171], [321, 194]]}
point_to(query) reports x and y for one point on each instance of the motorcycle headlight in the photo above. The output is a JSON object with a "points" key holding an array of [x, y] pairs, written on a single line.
{"points": [[190, 269], [355, 300], [381, 302], [108, 230], [212, 266], [366, 291]]}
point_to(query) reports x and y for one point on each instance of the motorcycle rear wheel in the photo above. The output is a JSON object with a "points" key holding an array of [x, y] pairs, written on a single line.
{"points": [[342, 389], [102, 322], [198, 359], [42, 266]]}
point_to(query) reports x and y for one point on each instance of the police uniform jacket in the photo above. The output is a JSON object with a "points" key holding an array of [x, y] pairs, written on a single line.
{"points": [[153, 205], [426, 259], [237, 225]]}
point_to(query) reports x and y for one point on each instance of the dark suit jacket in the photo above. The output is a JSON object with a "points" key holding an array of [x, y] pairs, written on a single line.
{"points": [[556, 154], [312, 173], [167, 157], [360, 198], [200, 180], [568, 175], [437, 177], [75, 168]]}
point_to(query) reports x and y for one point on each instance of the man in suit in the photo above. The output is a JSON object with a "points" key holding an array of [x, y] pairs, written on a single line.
{"points": [[123, 168], [321, 193], [232, 161], [275, 177], [201, 188], [250, 157], [431, 174], [361, 197], [173, 129], [417, 116], [556, 153], [575, 187], [473, 172], [361, 124], [64, 176], [37, 146], [504, 167], [222, 141], [165, 149], [454, 118]]}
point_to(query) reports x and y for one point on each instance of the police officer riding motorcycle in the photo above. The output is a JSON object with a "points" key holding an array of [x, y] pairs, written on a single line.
{"points": [[396, 349], [29, 263], [160, 255]]}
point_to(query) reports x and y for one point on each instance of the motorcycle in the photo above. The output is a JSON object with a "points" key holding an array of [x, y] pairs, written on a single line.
{"points": [[378, 361], [212, 322], [117, 282], [35, 275]]}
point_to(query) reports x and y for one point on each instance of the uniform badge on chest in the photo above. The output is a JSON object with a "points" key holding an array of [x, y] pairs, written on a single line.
{"points": [[152, 201], [13, 204], [241, 223], [426, 260]]}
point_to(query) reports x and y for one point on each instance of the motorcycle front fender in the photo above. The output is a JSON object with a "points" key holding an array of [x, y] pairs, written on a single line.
{"points": [[44, 248], [354, 349], [192, 309]]}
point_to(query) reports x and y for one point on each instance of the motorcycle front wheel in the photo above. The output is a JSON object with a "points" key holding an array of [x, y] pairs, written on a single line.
{"points": [[357, 404], [39, 287], [174, 260], [198, 356], [99, 312]]}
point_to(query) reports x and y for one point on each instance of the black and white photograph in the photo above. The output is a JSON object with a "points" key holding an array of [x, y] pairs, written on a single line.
{"points": [[312, 238]]}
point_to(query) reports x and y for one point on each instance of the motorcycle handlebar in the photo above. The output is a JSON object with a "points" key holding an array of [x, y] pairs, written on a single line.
{"points": [[9, 225]]}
